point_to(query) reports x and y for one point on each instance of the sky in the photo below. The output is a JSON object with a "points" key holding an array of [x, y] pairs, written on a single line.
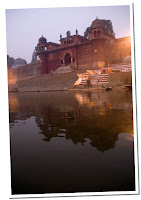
{"points": [[25, 26]]}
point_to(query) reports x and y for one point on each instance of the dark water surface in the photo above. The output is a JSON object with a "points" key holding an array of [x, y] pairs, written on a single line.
{"points": [[80, 141]]}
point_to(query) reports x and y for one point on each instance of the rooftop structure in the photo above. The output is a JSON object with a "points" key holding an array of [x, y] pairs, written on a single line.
{"points": [[79, 52]]}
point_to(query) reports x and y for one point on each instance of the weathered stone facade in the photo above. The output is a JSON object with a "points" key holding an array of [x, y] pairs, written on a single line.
{"points": [[122, 48], [28, 70], [76, 51]]}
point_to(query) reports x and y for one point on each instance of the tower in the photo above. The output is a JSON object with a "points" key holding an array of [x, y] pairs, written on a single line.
{"points": [[98, 42], [41, 51], [97, 29], [102, 38]]}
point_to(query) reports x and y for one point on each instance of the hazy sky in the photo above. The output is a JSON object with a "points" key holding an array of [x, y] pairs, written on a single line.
{"points": [[25, 26]]}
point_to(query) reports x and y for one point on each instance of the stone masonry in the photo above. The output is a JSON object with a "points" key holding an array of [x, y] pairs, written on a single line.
{"points": [[100, 50]]}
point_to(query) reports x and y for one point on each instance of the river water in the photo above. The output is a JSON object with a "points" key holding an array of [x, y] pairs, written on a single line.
{"points": [[71, 141]]}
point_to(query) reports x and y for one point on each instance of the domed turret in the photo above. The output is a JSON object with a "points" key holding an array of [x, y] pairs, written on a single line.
{"points": [[42, 45], [96, 29], [42, 40], [96, 23], [41, 51]]}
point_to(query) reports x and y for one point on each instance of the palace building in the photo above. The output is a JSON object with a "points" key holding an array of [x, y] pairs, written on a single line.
{"points": [[78, 52]]}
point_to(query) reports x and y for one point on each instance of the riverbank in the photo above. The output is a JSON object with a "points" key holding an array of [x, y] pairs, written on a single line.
{"points": [[64, 82], [45, 83]]}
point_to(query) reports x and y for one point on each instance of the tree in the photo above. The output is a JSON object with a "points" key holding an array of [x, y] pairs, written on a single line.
{"points": [[34, 57], [10, 62], [20, 61], [87, 32], [107, 26]]}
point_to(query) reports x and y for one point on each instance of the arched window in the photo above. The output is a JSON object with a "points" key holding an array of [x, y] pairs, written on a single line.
{"points": [[67, 59], [94, 33]]}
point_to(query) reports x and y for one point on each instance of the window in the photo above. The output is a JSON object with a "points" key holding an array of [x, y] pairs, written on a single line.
{"points": [[73, 59], [61, 61], [98, 33], [94, 33], [64, 42]]}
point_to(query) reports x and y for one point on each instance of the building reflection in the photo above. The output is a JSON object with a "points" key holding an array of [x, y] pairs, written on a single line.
{"points": [[77, 116]]}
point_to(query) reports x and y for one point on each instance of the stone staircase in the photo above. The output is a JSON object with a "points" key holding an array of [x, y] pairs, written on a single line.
{"points": [[102, 78], [83, 82], [87, 75], [62, 70], [95, 78]]}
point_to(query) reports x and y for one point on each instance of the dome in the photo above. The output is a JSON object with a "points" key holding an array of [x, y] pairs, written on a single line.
{"points": [[96, 23], [42, 40], [127, 59]]}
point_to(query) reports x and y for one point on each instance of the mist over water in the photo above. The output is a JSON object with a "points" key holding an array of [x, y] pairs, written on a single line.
{"points": [[73, 141]]}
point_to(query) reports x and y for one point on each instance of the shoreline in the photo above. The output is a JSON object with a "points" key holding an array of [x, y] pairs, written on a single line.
{"points": [[71, 89]]}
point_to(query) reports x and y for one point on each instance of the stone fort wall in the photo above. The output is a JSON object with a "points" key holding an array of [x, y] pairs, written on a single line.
{"points": [[28, 70], [122, 48], [88, 55]]}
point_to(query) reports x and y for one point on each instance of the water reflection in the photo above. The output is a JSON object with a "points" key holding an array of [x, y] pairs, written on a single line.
{"points": [[67, 112], [57, 127]]}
